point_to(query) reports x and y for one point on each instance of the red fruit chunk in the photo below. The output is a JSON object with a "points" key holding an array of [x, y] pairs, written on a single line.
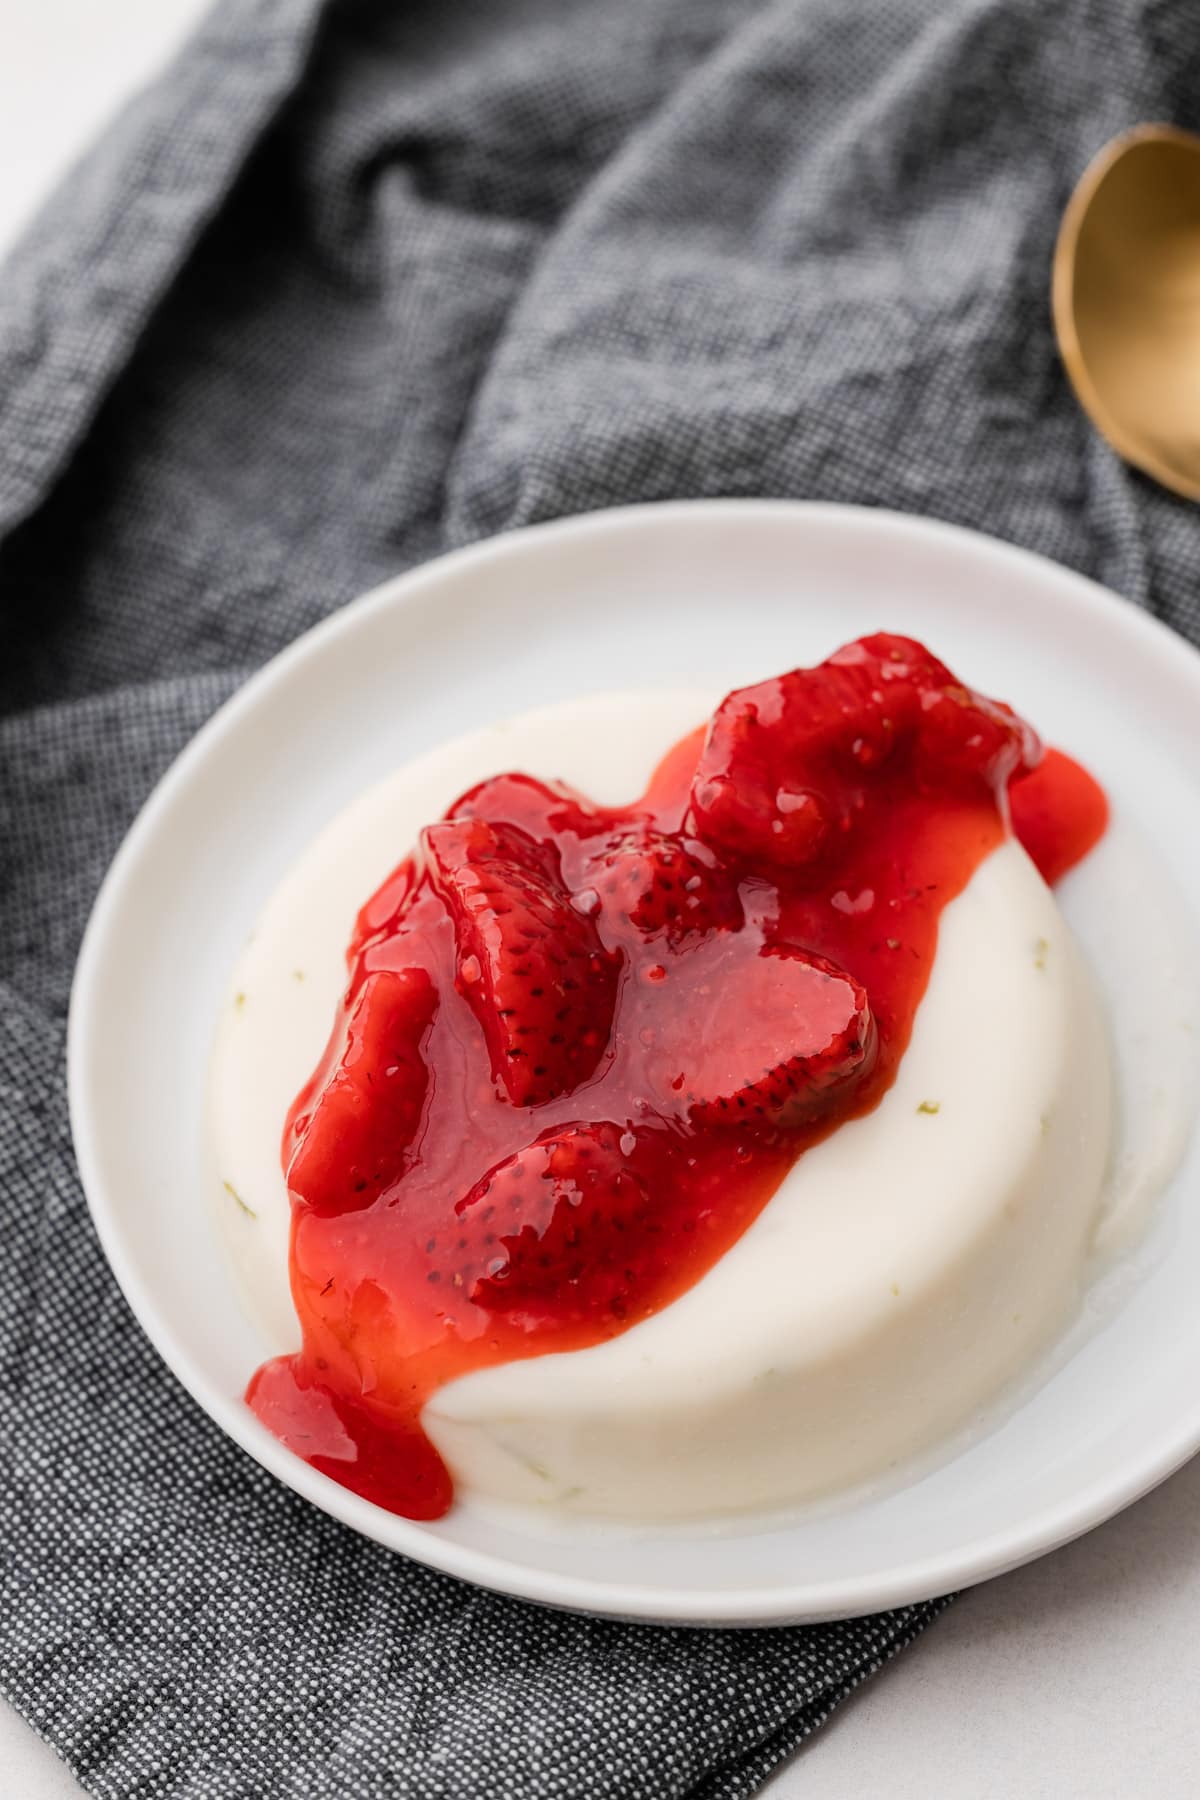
{"points": [[788, 767], [787, 1035], [740, 801], [961, 738], [530, 964], [664, 886], [383, 912], [570, 1217], [542, 809], [356, 1140]]}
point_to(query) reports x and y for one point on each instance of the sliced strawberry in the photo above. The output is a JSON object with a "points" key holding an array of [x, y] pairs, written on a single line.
{"points": [[777, 1043], [567, 1219], [760, 787], [771, 781], [541, 808], [382, 914], [530, 964], [664, 886], [354, 1140]]}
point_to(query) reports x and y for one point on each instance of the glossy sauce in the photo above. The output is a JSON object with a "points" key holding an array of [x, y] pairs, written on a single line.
{"points": [[614, 1196]]}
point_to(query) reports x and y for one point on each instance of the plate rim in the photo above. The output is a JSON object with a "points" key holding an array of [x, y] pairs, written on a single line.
{"points": [[774, 1605]]}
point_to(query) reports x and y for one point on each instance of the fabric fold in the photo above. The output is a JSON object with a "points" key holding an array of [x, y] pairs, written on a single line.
{"points": [[85, 278]]}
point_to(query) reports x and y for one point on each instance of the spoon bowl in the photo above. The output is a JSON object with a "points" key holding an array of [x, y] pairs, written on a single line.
{"points": [[1126, 297]]}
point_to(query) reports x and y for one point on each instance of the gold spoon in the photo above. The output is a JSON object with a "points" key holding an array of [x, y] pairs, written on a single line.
{"points": [[1126, 298]]}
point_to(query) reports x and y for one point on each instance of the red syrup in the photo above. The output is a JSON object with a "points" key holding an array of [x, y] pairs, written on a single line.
{"points": [[580, 1046]]}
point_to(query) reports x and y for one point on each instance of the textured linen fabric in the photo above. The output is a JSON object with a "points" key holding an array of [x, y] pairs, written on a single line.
{"points": [[355, 283]]}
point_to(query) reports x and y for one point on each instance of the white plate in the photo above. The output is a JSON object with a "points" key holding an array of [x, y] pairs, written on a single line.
{"points": [[731, 590]]}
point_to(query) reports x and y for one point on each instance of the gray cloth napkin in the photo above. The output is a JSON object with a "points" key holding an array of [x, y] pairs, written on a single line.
{"points": [[352, 284]]}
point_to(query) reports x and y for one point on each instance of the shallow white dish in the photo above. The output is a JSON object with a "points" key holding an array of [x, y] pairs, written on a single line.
{"points": [[658, 596]]}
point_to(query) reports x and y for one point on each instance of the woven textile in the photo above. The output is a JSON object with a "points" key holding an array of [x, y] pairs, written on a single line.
{"points": [[352, 284]]}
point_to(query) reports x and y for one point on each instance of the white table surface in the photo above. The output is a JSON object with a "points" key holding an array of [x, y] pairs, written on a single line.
{"points": [[1073, 1679]]}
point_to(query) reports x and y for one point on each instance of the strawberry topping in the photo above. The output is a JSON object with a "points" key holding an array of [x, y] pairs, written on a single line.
{"points": [[801, 1033], [789, 766], [355, 1141], [663, 885], [529, 963], [580, 1046], [572, 1205]]}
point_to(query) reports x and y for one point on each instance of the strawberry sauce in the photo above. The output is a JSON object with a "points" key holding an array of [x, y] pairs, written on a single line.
{"points": [[580, 1047]]}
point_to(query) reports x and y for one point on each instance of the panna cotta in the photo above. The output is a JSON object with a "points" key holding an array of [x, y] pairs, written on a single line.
{"points": [[678, 1159]]}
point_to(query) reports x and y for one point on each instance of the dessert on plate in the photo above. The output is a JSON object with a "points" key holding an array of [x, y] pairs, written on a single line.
{"points": [[683, 1157]]}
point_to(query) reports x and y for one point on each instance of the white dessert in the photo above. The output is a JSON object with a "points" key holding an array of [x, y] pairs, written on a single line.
{"points": [[904, 1271]]}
